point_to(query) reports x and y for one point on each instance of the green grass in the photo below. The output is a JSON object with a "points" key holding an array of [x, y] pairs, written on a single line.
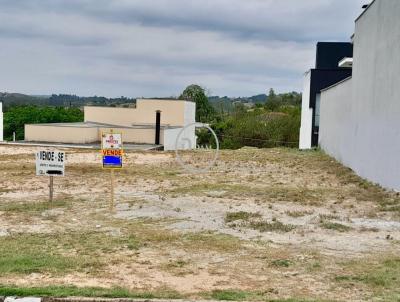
{"points": [[300, 195], [335, 226], [297, 214], [240, 295], [116, 292], [59, 253], [281, 263], [323, 217], [32, 207], [231, 295], [212, 242], [382, 277], [234, 216], [73, 291], [275, 226]]}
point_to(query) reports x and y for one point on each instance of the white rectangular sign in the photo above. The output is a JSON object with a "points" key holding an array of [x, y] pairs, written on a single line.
{"points": [[50, 163], [111, 141]]}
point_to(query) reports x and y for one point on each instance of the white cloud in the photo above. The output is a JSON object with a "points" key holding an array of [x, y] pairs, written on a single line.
{"points": [[156, 48]]}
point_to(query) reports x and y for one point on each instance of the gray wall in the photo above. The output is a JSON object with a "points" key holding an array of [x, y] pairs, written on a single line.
{"points": [[360, 118]]}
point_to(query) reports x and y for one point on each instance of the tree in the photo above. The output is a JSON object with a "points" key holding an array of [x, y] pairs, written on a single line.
{"points": [[273, 101], [204, 111], [17, 116]]}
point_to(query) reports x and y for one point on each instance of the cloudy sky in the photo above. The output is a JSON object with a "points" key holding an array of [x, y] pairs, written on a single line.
{"points": [[157, 47]]}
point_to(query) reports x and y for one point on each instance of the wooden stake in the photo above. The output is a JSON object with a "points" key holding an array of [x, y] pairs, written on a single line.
{"points": [[112, 189], [51, 189]]}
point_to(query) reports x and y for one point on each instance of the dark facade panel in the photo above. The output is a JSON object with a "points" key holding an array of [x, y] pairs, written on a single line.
{"points": [[323, 78], [329, 54]]}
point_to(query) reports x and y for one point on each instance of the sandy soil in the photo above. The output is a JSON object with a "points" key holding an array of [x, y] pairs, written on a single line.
{"points": [[334, 218]]}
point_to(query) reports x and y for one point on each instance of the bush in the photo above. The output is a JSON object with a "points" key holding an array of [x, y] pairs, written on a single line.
{"points": [[260, 128]]}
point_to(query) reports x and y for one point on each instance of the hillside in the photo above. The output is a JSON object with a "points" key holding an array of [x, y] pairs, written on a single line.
{"points": [[62, 100], [9, 99]]}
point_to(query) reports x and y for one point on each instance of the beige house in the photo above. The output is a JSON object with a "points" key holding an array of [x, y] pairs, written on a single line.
{"points": [[137, 125]]}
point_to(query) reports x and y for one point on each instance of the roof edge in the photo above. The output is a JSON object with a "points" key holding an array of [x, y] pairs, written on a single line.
{"points": [[365, 10], [337, 84]]}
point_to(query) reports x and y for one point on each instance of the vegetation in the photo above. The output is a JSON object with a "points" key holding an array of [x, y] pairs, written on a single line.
{"points": [[381, 276], [276, 122], [230, 217], [274, 226], [17, 116], [204, 111], [73, 291], [261, 121], [335, 226]]}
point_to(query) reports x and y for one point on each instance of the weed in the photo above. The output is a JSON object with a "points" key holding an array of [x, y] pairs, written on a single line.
{"points": [[383, 277], [230, 217], [281, 263], [31, 207], [276, 226], [323, 217], [335, 226], [297, 214]]}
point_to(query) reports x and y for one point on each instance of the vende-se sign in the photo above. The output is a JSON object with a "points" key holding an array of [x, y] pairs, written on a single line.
{"points": [[50, 163]]}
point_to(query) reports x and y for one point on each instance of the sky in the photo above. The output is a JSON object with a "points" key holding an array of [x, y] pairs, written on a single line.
{"points": [[143, 48]]}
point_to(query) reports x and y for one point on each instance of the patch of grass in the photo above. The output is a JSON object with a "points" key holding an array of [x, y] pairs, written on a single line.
{"points": [[268, 193], [281, 263], [275, 226], [383, 277], [32, 207], [323, 217], [73, 291], [234, 216], [59, 253], [335, 226], [240, 295], [177, 264], [297, 214], [211, 241], [231, 295]]}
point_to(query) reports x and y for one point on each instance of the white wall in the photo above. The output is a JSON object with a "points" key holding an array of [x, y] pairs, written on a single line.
{"points": [[172, 113], [306, 115], [336, 120], [1, 122], [360, 124], [188, 137]]}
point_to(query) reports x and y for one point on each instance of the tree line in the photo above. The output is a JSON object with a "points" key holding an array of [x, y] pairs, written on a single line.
{"points": [[274, 122]]}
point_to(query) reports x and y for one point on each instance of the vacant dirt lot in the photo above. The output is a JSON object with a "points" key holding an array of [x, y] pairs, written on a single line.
{"points": [[263, 224]]}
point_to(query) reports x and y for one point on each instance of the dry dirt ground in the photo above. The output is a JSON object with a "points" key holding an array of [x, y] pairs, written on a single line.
{"points": [[262, 224]]}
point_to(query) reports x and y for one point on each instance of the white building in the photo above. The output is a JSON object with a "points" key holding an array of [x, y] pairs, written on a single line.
{"points": [[153, 121], [360, 116]]}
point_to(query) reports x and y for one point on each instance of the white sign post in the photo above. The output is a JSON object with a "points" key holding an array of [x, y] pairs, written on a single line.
{"points": [[112, 151], [50, 163]]}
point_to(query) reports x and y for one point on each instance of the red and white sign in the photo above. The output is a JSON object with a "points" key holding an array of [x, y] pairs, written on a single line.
{"points": [[111, 141]]}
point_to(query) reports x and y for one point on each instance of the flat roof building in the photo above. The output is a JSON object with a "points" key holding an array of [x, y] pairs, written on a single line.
{"points": [[326, 73], [153, 121]]}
